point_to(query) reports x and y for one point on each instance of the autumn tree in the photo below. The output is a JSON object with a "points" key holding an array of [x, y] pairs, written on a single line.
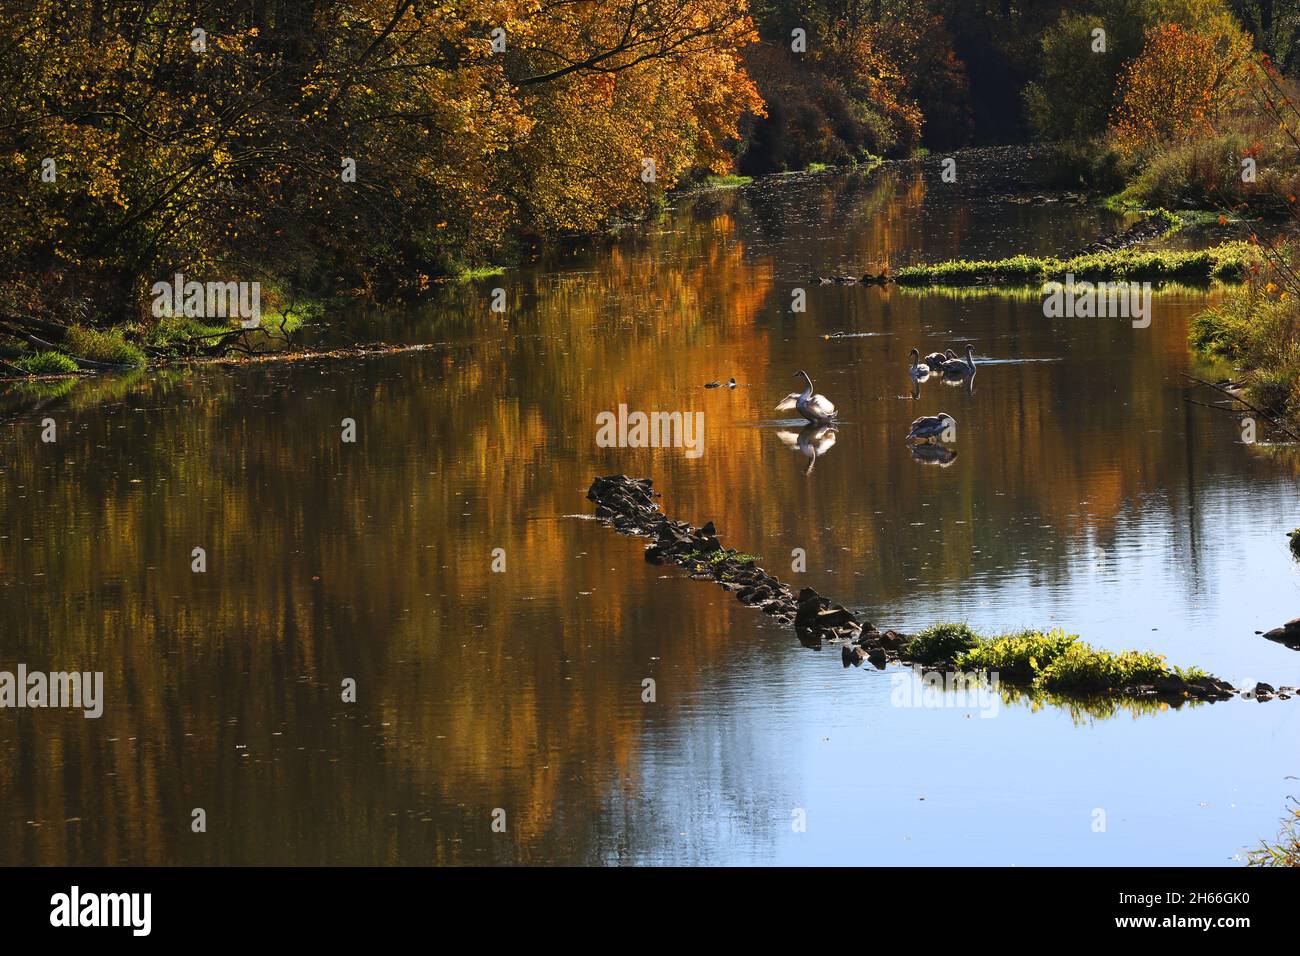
{"points": [[1179, 87], [362, 142]]}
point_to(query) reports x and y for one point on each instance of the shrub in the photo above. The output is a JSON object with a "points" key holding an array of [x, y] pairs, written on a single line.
{"points": [[1018, 657], [47, 363], [108, 347], [1082, 669], [940, 643], [1211, 67]]}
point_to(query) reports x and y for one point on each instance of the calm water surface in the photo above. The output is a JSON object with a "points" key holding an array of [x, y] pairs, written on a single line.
{"points": [[1085, 494]]}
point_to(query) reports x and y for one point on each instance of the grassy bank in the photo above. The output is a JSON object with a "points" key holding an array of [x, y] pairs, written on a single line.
{"points": [[1226, 262], [1257, 328], [35, 348]]}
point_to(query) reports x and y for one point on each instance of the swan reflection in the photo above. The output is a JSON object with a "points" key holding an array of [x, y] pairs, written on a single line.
{"points": [[811, 440]]}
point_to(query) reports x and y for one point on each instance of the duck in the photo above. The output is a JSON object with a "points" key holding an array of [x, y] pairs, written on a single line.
{"points": [[816, 409], [956, 366], [919, 372], [930, 427]]}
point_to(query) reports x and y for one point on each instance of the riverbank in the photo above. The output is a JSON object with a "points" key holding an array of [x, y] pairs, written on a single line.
{"points": [[1256, 328]]}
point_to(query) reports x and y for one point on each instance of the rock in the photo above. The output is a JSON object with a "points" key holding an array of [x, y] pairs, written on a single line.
{"points": [[892, 640], [1288, 634], [836, 617], [810, 606], [628, 505]]}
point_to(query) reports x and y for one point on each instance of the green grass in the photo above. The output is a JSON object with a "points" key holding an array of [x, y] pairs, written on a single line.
{"points": [[940, 644], [1285, 852], [1205, 172], [727, 182], [1083, 669], [171, 332], [816, 168], [47, 363], [715, 557], [1226, 262], [1257, 331], [1017, 657], [1051, 661], [475, 273], [109, 347]]}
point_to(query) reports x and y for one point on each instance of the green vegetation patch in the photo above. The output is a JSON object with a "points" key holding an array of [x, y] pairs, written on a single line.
{"points": [[172, 332], [1255, 328], [1285, 852], [940, 644], [1049, 661], [47, 363], [110, 348], [475, 273], [1017, 657], [1226, 262], [730, 181], [717, 557]]}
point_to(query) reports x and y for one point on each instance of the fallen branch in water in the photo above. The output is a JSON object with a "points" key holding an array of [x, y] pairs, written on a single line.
{"points": [[304, 355], [1237, 398], [1056, 663]]}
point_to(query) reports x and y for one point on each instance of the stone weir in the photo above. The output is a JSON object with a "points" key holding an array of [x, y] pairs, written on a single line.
{"points": [[629, 506]]}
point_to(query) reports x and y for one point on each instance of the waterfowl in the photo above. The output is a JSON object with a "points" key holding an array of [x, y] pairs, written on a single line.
{"points": [[918, 371], [731, 383], [935, 359], [930, 427], [815, 408], [955, 366]]}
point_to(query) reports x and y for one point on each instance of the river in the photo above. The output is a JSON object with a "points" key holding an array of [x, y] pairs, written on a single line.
{"points": [[1086, 494]]}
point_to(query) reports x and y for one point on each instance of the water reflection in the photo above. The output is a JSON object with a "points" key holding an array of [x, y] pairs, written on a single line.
{"points": [[810, 441], [933, 454], [521, 689]]}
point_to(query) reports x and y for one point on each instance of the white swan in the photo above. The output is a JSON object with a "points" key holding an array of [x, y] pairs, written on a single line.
{"points": [[919, 371], [956, 366], [815, 408]]}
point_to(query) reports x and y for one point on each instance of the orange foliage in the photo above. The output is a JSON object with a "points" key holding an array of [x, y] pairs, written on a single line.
{"points": [[1180, 87]]}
